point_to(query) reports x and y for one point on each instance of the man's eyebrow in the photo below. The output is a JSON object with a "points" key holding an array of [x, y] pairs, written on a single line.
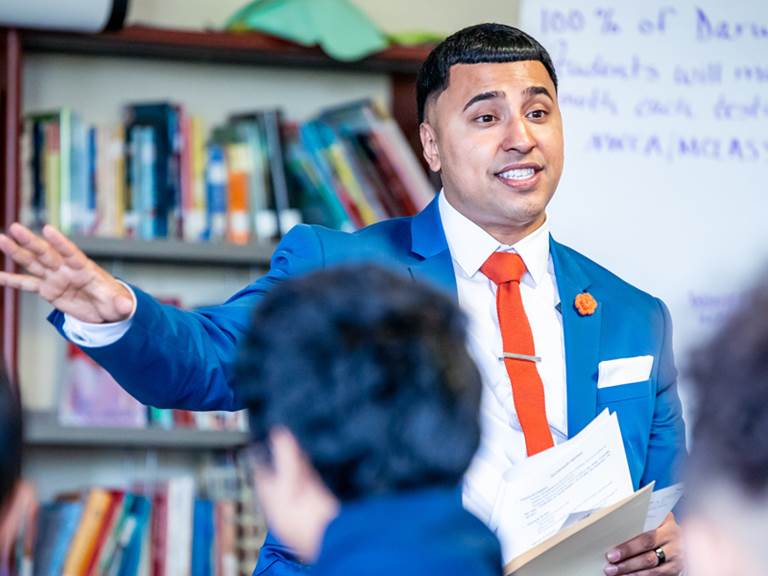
{"points": [[483, 96], [532, 91]]}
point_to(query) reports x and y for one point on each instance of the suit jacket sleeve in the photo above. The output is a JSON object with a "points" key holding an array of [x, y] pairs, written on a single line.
{"points": [[276, 559], [666, 448], [173, 358]]}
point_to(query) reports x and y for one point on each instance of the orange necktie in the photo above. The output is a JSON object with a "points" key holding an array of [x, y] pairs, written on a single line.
{"points": [[505, 269]]}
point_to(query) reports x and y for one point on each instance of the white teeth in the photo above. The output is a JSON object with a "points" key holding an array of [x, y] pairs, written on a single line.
{"points": [[518, 174]]}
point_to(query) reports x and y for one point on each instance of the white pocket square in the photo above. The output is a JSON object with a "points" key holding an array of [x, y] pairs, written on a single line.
{"points": [[624, 371]]}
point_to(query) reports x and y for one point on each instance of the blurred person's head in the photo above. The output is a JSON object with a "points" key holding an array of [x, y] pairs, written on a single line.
{"points": [[358, 383], [10, 440], [727, 525]]}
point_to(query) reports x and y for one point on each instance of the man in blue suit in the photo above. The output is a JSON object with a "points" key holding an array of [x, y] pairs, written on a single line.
{"points": [[348, 375], [491, 126]]}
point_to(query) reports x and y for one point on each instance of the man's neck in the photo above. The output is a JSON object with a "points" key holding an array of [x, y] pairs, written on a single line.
{"points": [[506, 234], [510, 235]]}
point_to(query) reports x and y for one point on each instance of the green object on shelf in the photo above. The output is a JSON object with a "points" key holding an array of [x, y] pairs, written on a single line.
{"points": [[339, 27], [415, 37]]}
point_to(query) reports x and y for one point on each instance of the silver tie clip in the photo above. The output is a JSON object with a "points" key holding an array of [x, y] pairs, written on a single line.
{"points": [[521, 357]]}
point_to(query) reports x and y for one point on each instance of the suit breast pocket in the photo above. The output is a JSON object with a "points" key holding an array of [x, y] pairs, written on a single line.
{"points": [[624, 392]]}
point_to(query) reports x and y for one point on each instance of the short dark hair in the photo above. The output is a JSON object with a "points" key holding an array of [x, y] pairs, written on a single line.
{"points": [[730, 378], [370, 372], [10, 438], [479, 44]]}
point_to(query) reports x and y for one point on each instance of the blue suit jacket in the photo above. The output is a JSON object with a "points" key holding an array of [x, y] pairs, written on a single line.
{"points": [[174, 358]]}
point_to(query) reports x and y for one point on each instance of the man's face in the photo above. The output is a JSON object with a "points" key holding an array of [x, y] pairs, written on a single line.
{"points": [[496, 136]]}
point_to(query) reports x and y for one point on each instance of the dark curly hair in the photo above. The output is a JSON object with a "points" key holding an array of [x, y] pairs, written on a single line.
{"points": [[10, 438], [370, 372], [730, 376], [479, 44]]}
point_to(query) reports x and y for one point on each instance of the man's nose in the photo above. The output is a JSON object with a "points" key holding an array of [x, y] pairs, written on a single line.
{"points": [[517, 136]]}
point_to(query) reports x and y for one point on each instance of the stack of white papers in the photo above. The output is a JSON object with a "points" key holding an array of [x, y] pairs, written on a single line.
{"points": [[560, 511], [571, 480]]}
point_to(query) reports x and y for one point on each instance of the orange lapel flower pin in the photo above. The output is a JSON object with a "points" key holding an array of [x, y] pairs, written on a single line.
{"points": [[585, 304]]}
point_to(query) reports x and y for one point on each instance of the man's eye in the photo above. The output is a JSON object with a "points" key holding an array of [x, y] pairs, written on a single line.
{"points": [[537, 114], [485, 118]]}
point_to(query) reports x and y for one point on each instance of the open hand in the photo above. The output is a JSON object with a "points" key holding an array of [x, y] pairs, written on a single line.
{"points": [[638, 556], [63, 275]]}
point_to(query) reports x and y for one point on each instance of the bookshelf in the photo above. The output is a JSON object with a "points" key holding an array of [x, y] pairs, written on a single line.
{"points": [[62, 458], [251, 48], [252, 255], [398, 64], [42, 430]]}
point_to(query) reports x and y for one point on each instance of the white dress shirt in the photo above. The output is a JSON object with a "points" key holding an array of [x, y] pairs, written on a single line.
{"points": [[502, 444]]}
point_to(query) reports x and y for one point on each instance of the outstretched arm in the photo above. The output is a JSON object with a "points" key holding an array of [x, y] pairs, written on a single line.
{"points": [[167, 357]]}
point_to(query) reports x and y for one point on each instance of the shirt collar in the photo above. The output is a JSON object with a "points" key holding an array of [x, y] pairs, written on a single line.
{"points": [[471, 246]]}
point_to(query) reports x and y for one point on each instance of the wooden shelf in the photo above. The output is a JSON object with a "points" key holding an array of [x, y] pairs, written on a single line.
{"points": [[43, 430], [252, 48], [254, 255]]}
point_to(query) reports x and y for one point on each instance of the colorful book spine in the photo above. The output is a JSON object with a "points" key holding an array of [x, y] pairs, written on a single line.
{"points": [[83, 545], [216, 186], [238, 178], [90, 220], [311, 140], [107, 556], [52, 173], [203, 538], [111, 518], [151, 222], [179, 526], [65, 172], [195, 215], [132, 542], [65, 523], [159, 531]]}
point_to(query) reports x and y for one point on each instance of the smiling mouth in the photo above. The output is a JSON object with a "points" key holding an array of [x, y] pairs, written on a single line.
{"points": [[518, 174], [519, 177]]}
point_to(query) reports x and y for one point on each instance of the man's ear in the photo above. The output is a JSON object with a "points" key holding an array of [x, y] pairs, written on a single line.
{"points": [[429, 146]]}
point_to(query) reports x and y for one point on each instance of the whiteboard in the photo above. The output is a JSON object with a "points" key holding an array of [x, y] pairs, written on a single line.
{"points": [[665, 110]]}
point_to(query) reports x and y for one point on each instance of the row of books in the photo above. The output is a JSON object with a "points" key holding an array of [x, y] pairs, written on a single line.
{"points": [[163, 528], [90, 397], [160, 175]]}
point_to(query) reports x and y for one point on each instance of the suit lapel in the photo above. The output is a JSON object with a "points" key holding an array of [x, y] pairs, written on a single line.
{"points": [[429, 244], [581, 333], [582, 340]]}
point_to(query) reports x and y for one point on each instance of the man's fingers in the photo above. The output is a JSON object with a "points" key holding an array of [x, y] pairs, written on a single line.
{"points": [[647, 564], [672, 568], [638, 555], [43, 251], [639, 544], [124, 305], [21, 256], [20, 281], [73, 256], [644, 561]]}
